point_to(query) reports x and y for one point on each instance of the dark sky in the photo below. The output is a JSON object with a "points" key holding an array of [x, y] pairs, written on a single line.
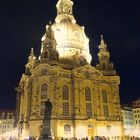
{"points": [[22, 24]]}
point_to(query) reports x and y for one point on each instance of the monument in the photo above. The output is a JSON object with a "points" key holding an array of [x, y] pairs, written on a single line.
{"points": [[46, 126]]}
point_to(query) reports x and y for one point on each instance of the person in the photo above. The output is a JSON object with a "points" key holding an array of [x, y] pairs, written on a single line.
{"points": [[48, 110]]}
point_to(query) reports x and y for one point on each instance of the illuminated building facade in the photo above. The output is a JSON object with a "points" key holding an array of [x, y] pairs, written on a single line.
{"points": [[85, 98], [128, 120], [7, 121], [136, 113]]}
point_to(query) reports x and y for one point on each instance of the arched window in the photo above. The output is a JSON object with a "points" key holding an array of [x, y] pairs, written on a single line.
{"points": [[105, 103], [42, 108], [67, 129], [104, 96], [108, 127], [106, 111], [89, 109], [44, 90], [65, 108], [65, 97], [87, 94], [88, 101], [65, 93]]}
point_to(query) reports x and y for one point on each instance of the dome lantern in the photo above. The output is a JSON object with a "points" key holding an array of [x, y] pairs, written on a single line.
{"points": [[64, 11]]}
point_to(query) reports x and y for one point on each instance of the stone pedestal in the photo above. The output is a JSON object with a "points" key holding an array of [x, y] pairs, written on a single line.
{"points": [[46, 131]]}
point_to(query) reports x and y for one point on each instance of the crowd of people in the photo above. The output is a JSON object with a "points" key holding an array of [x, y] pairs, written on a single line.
{"points": [[104, 138], [86, 138]]}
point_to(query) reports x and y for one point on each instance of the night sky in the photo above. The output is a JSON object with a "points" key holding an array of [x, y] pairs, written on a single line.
{"points": [[22, 24]]}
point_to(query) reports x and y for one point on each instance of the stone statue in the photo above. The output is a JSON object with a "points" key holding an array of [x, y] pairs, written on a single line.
{"points": [[48, 110], [46, 126]]}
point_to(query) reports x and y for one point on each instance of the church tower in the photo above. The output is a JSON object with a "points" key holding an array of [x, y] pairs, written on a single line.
{"points": [[48, 51], [105, 65], [85, 98]]}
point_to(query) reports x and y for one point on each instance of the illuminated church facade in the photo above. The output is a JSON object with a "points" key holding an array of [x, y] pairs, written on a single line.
{"points": [[85, 98]]}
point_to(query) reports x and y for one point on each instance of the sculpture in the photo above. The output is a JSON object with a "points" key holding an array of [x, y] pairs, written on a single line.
{"points": [[48, 109], [46, 127]]}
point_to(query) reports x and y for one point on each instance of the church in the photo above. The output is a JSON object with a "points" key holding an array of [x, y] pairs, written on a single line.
{"points": [[85, 98]]}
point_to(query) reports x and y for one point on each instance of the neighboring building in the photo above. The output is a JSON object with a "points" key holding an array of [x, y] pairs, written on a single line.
{"points": [[128, 120], [85, 99], [7, 121], [136, 113]]}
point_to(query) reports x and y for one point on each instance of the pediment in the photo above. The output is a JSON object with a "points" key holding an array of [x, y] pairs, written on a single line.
{"points": [[87, 71]]}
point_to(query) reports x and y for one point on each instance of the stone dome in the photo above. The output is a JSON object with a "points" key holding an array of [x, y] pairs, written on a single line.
{"points": [[71, 40]]}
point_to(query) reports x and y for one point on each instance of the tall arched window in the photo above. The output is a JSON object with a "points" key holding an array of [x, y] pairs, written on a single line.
{"points": [[88, 101], [65, 97], [105, 103], [42, 108], [88, 94], [44, 90], [104, 96], [65, 93], [106, 111]]}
